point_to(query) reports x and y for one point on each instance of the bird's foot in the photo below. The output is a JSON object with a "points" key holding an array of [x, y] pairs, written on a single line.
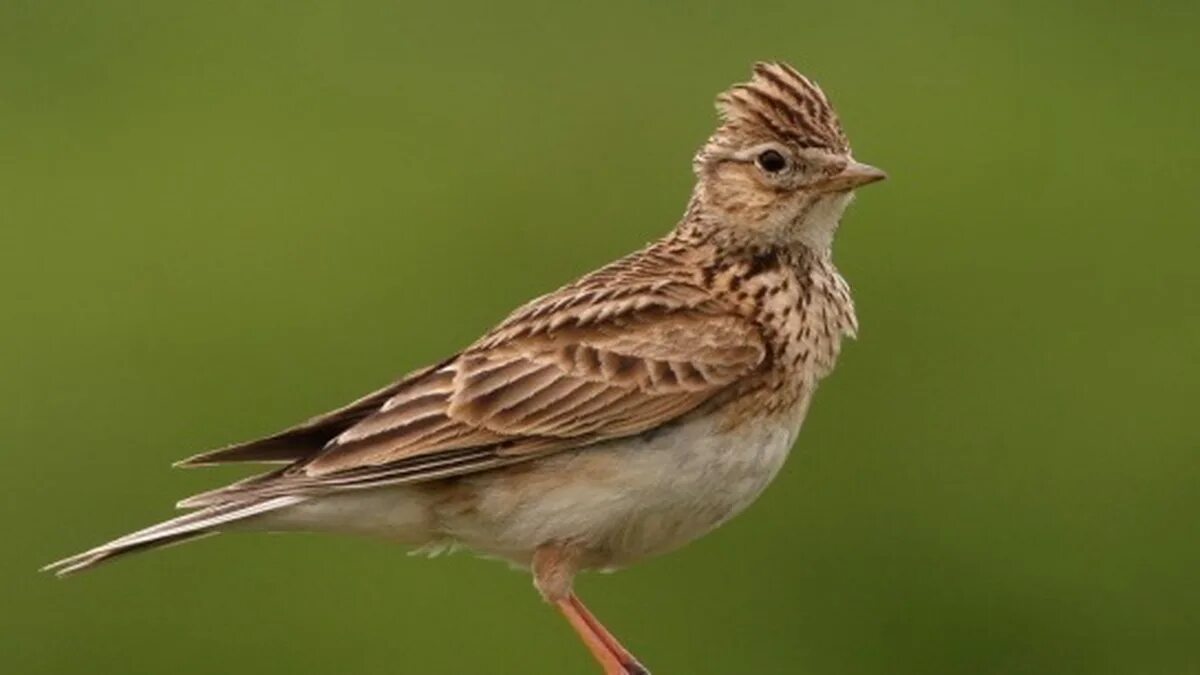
{"points": [[633, 668]]}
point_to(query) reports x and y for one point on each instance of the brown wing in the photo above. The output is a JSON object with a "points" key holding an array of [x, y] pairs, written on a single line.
{"points": [[553, 390], [495, 406], [627, 348]]}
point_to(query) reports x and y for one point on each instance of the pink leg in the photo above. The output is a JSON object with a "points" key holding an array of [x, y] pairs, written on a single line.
{"points": [[628, 661], [552, 573]]}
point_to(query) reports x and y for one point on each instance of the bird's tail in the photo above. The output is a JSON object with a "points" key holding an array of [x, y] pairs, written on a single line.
{"points": [[200, 523]]}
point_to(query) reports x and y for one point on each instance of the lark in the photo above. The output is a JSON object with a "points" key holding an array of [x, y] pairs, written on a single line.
{"points": [[617, 418]]}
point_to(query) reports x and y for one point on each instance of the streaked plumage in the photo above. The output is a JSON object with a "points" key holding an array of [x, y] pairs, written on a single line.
{"points": [[620, 416]]}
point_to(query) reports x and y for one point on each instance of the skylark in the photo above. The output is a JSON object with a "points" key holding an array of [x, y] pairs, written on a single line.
{"points": [[616, 418]]}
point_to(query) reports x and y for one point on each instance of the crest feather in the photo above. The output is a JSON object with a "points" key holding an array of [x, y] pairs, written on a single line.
{"points": [[780, 103]]}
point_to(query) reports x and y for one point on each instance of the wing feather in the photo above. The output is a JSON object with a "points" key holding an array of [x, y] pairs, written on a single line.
{"points": [[573, 386], [629, 348]]}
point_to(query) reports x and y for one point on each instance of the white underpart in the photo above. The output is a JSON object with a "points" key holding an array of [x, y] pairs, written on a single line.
{"points": [[818, 226], [399, 513], [620, 501], [631, 498]]}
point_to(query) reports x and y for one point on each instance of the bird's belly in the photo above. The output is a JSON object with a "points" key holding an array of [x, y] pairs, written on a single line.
{"points": [[625, 499]]}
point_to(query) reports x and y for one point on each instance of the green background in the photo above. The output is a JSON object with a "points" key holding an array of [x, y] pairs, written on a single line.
{"points": [[219, 218]]}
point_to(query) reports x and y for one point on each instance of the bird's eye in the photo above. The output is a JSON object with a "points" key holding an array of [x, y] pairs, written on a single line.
{"points": [[771, 161]]}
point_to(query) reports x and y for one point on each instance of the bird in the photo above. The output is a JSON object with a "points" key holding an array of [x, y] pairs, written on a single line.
{"points": [[617, 418]]}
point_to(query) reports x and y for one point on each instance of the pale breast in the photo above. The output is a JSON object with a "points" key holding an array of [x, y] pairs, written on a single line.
{"points": [[626, 499]]}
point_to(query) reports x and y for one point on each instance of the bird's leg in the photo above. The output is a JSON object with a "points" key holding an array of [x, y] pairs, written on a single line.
{"points": [[553, 571], [628, 661]]}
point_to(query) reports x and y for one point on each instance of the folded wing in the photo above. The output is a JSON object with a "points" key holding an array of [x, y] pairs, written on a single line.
{"points": [[586, 364]]}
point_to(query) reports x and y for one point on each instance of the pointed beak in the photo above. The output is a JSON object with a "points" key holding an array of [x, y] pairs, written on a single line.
{"points": [[856, 174]]}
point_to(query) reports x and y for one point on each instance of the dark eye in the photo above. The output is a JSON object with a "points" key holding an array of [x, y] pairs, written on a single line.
{"points": [[771, 161]]}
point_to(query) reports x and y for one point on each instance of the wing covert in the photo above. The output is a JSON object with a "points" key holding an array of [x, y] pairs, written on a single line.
{"points": [[554, 389]]}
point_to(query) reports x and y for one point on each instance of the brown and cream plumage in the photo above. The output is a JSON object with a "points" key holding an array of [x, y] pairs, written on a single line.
{"points": [[618, 417]]}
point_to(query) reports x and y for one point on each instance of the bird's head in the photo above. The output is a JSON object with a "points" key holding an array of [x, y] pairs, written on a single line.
{"points": [[778, 169]]}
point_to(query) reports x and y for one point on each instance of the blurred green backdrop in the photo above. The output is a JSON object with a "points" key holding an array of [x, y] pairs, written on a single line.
{"points": [[219, 218]]}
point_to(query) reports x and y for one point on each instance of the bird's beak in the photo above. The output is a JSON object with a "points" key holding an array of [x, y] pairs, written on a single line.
{"points": [[855, 174]]}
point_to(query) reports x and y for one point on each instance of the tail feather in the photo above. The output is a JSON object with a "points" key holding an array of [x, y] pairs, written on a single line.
{"points": [[201, 523]]}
